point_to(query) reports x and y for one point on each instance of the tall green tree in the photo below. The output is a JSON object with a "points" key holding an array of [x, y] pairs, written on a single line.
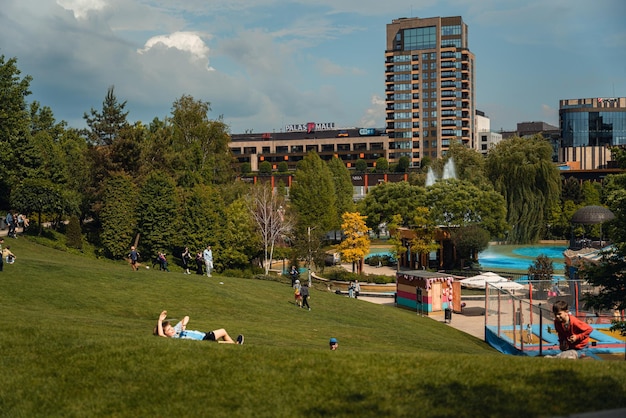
{"points": [[388, 199], [117, 215], [456, 203], [312, 198], [344, 192], [239, 241], [14, 123], [522, 171], [201, 143], [106, 125], [203, 215], [157, 215]]}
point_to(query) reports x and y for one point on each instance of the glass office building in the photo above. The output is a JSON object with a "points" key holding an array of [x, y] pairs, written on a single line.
{"points": [[429, 87], [594, 122]]}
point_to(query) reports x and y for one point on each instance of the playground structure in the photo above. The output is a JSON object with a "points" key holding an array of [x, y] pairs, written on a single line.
{"points": [[524, 325]]}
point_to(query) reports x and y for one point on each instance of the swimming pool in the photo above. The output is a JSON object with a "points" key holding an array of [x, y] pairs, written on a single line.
{"points": [[520, 257]]}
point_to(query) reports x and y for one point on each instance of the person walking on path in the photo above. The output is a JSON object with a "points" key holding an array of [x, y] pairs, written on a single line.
{"points": [[357, 289], [304, 292], [208, 260], [186, 258], [133, 255]]}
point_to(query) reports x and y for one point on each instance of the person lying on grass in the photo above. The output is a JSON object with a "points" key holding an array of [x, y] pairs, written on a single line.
{"points": [[165, 329]]}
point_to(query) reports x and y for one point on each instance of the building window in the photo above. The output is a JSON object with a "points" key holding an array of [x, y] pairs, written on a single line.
{"points": [[343, 147], [249, 150], [266, 150], [282, 149], [311, 148], [420, 38], [328, 148]]}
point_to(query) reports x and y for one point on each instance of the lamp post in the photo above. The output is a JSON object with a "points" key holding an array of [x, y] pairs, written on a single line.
{"points": [[309, 229]]}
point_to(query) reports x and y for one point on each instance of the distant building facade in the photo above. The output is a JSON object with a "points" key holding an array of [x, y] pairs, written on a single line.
{"points": [[429, 87], [484, 139], [589, 127], [292, 145]]}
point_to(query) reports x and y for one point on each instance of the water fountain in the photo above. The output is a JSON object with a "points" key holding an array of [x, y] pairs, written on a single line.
{"points": [[449, 172]]}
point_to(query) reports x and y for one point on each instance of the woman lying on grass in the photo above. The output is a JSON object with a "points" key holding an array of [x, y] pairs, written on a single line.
{"points": [[165, 329]]}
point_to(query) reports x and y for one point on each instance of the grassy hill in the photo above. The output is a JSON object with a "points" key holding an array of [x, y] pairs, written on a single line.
{"points": [[77, 342]]}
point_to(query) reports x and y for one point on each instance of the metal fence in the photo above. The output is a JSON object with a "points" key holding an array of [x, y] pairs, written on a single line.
{"points": [[521, 322]]}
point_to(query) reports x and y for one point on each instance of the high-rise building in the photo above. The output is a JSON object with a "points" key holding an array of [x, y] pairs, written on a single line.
{"points": [[429, 87], [589, 129]]}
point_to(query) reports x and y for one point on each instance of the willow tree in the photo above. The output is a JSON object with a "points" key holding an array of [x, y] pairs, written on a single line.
{"points": [[522, 171]]}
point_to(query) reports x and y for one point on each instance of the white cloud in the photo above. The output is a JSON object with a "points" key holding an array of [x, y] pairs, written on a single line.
{"points": [[82, 8], [374, 114], [190, 42]]}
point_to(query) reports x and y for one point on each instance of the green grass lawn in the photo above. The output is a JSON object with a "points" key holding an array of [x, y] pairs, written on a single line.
{"points": [[77, 342]]}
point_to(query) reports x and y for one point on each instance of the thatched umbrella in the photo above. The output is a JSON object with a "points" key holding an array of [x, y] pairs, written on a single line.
{"points": [[592, 215]]}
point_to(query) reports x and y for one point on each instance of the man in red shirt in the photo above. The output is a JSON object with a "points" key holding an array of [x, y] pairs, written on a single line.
{"points": [[573, 333]]}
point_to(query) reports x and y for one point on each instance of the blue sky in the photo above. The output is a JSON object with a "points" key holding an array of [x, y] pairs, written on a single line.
{"points": [[263, 64]]}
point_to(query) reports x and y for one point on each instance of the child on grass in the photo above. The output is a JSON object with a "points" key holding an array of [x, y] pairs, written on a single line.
{"points": [[165, 329]]}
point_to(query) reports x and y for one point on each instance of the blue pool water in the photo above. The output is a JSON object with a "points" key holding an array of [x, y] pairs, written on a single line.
{"points": [[522, 256]]}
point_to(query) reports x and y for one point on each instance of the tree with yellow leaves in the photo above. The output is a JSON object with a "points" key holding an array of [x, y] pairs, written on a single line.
{"points": [[356, 245]]}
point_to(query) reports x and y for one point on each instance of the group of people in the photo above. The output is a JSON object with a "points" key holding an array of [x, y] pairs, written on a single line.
{"points": [[204, 260], [14, 221], [301, 291]]}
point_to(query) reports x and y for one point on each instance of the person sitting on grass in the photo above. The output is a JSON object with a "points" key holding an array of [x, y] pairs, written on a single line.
{"points": [[573, 333], [165, 329], [8, 255]]}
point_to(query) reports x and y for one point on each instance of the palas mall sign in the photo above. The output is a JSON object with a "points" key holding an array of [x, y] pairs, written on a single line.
{"points": [[310, 127]]}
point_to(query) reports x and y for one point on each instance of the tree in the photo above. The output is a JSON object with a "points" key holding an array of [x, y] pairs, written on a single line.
{"points": [[356, 245], [541, 272], [609, 275], [389, 199], [522, 171], [265, 168], [37, 196], [14, 123], [283, 167], [342, 182], [199, 143], [456, 203], [395, 239], [203, 213], [469, 164], [73, 235], [382, 165], [423, 241], [117, 215], [157, 215], [313, 200], [403, 164], [360, 165], [268, 210], [105, 126], [239, 242], [469, 241]]}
